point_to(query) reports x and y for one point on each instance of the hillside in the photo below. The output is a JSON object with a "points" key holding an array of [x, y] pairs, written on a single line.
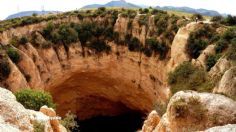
{"points": [[191, 10], [29, 13], [110, 68], [115, 3]]}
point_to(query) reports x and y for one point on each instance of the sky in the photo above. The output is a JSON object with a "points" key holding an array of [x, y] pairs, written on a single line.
{"points": [[8, 7]]}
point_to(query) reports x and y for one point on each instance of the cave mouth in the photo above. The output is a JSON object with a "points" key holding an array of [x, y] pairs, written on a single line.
{"points": [[126, 122]]}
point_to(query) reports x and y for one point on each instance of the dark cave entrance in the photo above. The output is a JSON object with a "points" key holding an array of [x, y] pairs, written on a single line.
{"points": [[127, 122]]}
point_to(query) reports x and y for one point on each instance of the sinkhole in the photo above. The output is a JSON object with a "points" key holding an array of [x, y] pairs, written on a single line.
{"points": [[127, 122], [103, 102]]}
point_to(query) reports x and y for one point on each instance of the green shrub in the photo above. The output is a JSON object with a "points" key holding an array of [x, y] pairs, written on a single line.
{"points": [[152, 45], [188, 77], [14, 55], [32, 99], [99, 46], [198, 16], [224, 42], [218, 19], [23, 40], [38, 127], [68, 34], [143, 20], [14, 41], [192, 107], [199, 39], [211, 61], [5, 69], [69, 122], [134, 44]]}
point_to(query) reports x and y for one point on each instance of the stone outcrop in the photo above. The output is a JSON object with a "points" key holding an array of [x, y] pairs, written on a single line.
{"points": [[220, 67], [15, 118], [12, 114], [226, 128], [152, 120], [201, 60], [192, 111], [227, 84], [178, 47]]}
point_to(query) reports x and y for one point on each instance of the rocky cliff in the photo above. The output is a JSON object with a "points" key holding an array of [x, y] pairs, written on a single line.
{"points": [[130, 75]]}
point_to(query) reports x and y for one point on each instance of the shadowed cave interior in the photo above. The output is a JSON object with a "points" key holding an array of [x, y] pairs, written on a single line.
{"points": [[88, 98], [127, 122]]}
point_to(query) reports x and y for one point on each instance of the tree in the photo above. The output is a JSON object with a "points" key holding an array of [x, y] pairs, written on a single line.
{"points": [[197, 16]]}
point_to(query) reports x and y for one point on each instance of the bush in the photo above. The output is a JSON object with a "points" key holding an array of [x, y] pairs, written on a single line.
{"points": [[221, 45], [23, 40], [211, 61], [143, 20], [69, 122], [218, 19], [38, 126], [134, 44], [188, 77], [99, 46], [198, 16], [14, 55], [34, 100], [192, 107], [68, 34], [199, 39], [195, 46], [5, 69]]}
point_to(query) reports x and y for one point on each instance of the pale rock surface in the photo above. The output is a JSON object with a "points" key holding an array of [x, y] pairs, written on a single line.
{"points": [[15, 118], [13, 114], [220, 67], [152, 120], [178, 47], [201, 60], [227, 84], [226, 128], [192, 111]]}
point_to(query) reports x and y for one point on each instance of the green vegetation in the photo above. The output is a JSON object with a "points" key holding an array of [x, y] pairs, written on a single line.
{"points": [[211, 61], [226, 45], [69, 122], [229, 20], [199, 39], [23, 40], [153, 46], [143, 20], [14, 55], [38, 126], [188, 77], [189, 108], [5, 68], [197, 16], [34, 100]]}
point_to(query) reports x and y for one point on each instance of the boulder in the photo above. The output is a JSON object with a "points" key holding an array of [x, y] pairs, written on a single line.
{"points": [[192, 111], [226, 128], [151, 122], [227, 84], [13, 115]]}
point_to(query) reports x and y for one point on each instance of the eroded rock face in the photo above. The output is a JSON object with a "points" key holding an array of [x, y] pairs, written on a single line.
{"points": [[220, 67], [201, 60], [178, 47], [114, 83], [191, 111], [227, 84]]}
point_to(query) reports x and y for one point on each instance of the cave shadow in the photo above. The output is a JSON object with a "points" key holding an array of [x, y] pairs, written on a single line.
{"points": [[127, 122]]}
